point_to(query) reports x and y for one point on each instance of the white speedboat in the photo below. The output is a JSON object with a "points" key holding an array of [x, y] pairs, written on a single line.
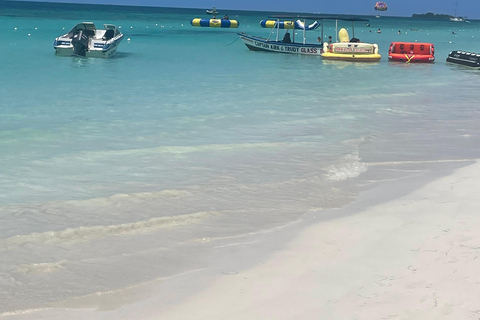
{"points": [[87, 41]]}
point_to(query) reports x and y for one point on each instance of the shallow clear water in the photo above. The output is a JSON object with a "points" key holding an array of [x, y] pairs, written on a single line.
{"points": [[109, 166]]}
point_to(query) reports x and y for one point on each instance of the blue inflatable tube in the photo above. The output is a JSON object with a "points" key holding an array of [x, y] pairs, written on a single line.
{"points": [[214, 23]]}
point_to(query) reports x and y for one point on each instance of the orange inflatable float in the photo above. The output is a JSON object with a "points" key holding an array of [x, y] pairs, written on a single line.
{"points": [[411, 52]]}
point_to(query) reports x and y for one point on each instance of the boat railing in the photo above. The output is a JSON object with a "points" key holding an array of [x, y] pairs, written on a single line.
{"points": [[304, 18], [277, 29]]}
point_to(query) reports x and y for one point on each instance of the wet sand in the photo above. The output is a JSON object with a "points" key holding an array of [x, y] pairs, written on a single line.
{"points": [[413, 257]]}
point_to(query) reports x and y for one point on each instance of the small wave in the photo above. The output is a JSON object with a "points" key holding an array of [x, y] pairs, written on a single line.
{"points": [[389, 163], [378, 96], [84, 234], [175, 150], [22, 312], [349, 167], [132, 197], [87, 205], [42, 267]]}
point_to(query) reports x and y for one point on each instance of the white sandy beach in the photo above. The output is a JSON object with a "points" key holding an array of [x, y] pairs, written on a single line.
{"points": [[415, 257]]}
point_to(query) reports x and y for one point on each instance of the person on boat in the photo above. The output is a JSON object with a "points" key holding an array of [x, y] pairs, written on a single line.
{"points": [[225, 17], [286, 38], [329, 39], [354, 40]]}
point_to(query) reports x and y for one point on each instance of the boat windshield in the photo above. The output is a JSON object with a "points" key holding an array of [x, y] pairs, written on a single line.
{"points": [[113, 28], [82, 26]]}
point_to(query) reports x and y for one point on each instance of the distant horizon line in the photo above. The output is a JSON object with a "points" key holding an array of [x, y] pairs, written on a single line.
{"points": [[244, 10]]}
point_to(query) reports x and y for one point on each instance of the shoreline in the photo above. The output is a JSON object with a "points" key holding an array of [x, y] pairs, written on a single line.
{"points": [[413, 256]]}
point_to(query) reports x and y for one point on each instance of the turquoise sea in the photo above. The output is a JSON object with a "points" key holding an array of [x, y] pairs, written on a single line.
{"points": [[119, 171]]}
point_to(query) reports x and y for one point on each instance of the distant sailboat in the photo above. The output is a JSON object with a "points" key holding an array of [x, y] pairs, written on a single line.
{"points": [[456, 18]]}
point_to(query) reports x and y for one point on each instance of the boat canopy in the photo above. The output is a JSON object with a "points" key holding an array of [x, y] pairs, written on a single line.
{"points": [[318, 17], [298, 24]]}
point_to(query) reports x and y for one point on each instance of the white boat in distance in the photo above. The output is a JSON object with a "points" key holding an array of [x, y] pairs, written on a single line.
{"points": [[456, 18], [287, 45], [87, 41], [212, 11]]}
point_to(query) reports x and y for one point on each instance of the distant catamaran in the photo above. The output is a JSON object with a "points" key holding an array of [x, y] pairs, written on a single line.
{"points": [[455, 18]]}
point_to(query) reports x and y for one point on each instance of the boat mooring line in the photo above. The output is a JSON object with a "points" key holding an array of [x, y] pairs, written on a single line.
{"points": [[232, 42]]}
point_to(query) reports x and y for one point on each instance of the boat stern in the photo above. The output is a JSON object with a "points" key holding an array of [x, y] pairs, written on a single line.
{"points": [[104, 49], [63, 46], [351, 51]]}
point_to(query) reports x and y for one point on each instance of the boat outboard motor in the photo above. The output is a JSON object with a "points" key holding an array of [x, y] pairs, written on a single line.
{"points": [[80, 43]]}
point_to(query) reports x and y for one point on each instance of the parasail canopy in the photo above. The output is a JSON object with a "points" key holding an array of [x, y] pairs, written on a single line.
{"points": [[380, 6]]}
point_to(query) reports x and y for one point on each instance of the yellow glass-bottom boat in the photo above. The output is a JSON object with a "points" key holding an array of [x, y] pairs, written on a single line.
{"points": [[349, 50]]}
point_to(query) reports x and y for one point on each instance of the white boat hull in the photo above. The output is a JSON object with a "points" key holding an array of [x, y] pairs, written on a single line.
{"points": [[261, 44], [88, 41], [97, 50]]}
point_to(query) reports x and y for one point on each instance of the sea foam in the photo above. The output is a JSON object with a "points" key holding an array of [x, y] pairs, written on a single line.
{"points": [[72, 236]]}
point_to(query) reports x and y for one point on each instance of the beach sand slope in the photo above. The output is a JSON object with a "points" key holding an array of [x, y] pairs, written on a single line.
{"points": [[416, 257]]}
